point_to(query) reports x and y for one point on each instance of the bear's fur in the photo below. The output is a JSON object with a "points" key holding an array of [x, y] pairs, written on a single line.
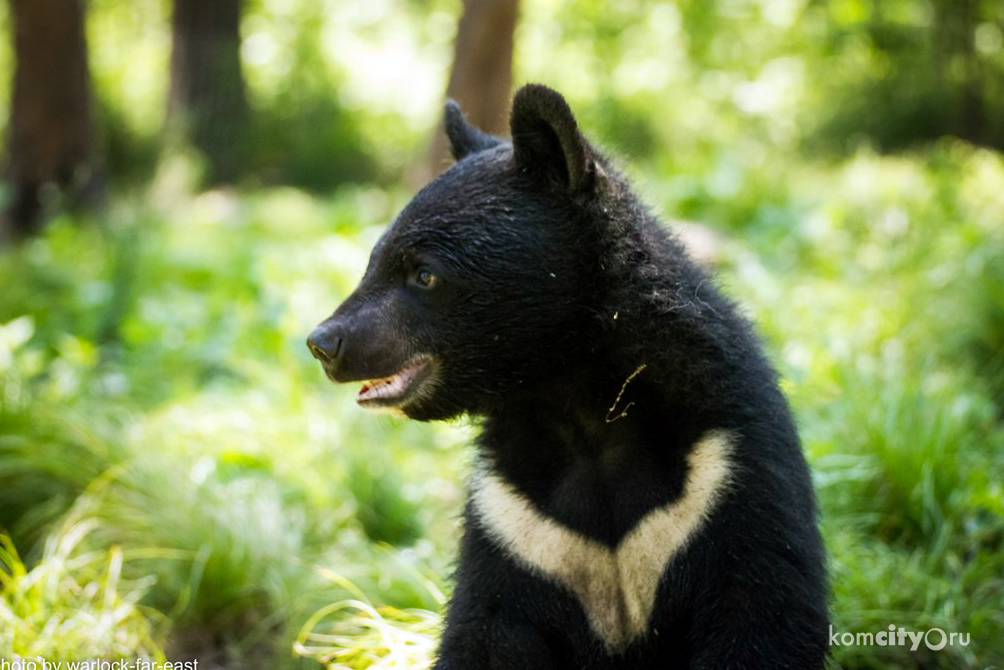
{"points": [[640, 498]]}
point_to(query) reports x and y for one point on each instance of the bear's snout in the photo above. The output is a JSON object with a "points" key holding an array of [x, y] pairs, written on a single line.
{"points": [[360, 341]]}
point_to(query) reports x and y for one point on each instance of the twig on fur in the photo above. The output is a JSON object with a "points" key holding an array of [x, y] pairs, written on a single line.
{"points": [[621, 394]]}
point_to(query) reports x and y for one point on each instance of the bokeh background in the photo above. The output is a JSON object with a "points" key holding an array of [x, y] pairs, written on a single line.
{"points": [[190, 186]]}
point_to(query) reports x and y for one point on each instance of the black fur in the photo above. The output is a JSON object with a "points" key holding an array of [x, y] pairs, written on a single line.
{"points": [[553, 284]]}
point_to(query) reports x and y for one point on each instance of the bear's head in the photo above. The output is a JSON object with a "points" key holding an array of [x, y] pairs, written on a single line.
{"points": [[486, 283]]}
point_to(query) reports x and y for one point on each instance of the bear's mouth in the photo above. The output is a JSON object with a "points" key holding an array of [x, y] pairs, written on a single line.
{"points": [[397, 389]]}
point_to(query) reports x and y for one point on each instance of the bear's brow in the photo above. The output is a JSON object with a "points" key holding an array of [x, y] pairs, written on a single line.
{"points": [[426, 241]]}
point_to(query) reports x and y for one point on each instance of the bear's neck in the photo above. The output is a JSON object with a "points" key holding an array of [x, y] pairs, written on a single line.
{"points": [[597, 410], [596, 456], [669, 360]]}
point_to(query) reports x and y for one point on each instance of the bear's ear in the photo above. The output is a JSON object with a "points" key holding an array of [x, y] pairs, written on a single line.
{"points": [[465, 139], [546, 137]]}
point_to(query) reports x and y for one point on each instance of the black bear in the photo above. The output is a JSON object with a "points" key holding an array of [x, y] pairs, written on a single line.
{"points": [[640, 499]]}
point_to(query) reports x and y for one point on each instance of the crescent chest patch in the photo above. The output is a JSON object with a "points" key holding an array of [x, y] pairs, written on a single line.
{"points": [[616, 587]]}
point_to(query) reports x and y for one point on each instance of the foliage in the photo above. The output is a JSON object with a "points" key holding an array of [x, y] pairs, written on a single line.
{"points": [[904, 437], [74, 604], [159, 385], [365, 636], [350, 91]]}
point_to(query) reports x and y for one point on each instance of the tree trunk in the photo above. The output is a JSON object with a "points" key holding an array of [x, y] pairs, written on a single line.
{"points": [[51, 132], [207, 102], [481, 79], [973, 122]]}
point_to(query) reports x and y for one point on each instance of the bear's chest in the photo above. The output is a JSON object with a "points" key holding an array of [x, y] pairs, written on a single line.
{"points": [[615, 585]]}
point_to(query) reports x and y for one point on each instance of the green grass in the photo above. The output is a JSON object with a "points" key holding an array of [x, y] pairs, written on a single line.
{"points": [[75, 604], [159, 384], [354, 633], [871, 305], [157, 393]]}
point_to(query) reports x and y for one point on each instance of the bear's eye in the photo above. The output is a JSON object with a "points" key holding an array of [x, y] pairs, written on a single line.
{"points": [[424, 277]]}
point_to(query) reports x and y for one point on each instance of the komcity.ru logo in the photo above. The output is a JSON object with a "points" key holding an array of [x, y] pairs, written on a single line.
{"points": [[934, 638]]}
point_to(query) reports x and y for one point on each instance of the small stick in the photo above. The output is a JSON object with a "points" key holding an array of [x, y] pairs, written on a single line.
{"points": [[621, 394]]}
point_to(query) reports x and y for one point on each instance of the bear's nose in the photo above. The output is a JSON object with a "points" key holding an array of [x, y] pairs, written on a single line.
{"points": [[325, 344]]}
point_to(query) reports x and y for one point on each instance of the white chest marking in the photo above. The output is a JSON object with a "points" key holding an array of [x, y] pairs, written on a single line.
{"points": [[616, 588]]}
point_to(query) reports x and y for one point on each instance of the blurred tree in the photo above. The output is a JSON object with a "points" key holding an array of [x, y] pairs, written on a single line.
{"points": [[925, 69], [481, 78], [954, 33], [207, 102], [51, 133]]}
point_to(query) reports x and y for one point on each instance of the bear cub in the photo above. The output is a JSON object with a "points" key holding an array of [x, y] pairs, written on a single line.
{"points": [[640, 498]]}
